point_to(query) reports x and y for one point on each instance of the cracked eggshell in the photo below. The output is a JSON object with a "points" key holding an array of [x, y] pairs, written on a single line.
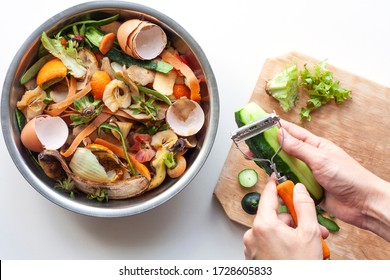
{"points": [[150, 41], [29, 137], [44, 132], [185, 117], [141, 39], [125, 30]]}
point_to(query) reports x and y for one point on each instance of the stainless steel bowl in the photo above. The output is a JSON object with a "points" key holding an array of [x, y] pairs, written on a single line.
{"points": [[12, 92]]}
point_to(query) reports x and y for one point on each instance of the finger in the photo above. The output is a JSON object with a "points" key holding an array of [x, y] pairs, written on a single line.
{"points": [[298, 148], [269, 197], [324, 232], [301, 133], [304, 208], [268, 205]]}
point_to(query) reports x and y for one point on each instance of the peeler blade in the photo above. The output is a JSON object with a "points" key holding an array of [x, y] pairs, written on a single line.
{"points": [[248, 131]]}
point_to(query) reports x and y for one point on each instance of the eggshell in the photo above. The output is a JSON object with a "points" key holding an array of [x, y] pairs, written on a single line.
{"points": [[149, 42], [29, 137], [125, 30], [141, 39], [52, 132], [185, 117]]}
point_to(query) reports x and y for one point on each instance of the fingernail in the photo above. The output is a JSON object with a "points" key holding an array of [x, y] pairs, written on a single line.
{"points": [[300, 188]]}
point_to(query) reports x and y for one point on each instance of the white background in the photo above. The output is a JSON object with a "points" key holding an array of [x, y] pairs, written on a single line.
{"points": [[237, 37]]}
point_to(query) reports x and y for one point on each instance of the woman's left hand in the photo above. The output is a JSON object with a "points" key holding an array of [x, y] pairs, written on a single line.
{"points": [[273, 235]]}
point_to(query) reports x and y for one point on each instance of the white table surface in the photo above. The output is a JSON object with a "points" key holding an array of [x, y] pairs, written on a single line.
{"points": [[237, 37]]}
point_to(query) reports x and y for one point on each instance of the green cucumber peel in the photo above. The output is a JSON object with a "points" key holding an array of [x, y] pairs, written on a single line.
{"points": [[34, 69], [158, 65]]}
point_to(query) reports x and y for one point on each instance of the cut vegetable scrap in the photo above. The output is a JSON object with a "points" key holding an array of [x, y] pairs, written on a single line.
{"points": [[181, 90], [140, 75], [322, 88], [192, 80], [164, 83], [67, 55], [248, 177], [32, 103], [284, 87]]}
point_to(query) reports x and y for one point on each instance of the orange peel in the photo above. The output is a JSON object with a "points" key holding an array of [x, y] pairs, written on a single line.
{"points": [[51, 72], [99, 80]]}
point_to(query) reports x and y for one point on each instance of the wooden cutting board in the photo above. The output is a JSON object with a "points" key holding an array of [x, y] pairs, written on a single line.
{"points": [[361, 126]]}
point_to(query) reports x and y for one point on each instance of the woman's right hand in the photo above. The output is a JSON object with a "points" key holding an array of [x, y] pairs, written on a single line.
{"points": [[351, 191]]}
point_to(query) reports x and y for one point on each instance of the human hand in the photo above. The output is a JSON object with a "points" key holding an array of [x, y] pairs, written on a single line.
{"points": [[272, 235], [347, 184]]}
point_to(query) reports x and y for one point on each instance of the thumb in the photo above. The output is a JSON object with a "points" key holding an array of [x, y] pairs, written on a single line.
{"points": [[305, 209]]}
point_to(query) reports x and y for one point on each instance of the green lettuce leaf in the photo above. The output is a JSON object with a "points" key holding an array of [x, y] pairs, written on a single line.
{"points": [[322, 88], [284, 87], [68, 56]]}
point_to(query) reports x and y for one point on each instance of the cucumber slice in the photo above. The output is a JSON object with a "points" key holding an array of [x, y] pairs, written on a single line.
{"points": [[248, 177]]}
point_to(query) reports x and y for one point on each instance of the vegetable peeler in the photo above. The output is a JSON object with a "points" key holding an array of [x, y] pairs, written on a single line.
{"points": [[284, 186]]}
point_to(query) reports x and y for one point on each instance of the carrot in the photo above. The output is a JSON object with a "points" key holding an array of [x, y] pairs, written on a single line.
{"points": [[186, 71], [69, 100], [285, 191], [181, 90], [106, 43], [119, 151], [86, 132]]}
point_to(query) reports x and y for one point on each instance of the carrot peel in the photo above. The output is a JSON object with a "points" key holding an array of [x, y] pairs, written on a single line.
{"points": [[86, 132], [186, 71]]}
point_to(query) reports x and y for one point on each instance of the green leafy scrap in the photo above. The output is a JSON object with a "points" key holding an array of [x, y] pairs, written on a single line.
{"points": [[100, 195], [66, 185], [321, 87], [67, 54], [284, 87], [86, 109]]}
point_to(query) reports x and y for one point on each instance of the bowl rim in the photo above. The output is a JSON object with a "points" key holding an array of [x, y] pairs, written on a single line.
{"points": [[55, 196]]}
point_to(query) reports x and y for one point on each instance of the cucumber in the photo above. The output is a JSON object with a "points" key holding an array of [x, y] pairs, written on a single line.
{"points": [[328, 223], [250, 202], [265, 145], [248, 177]]}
